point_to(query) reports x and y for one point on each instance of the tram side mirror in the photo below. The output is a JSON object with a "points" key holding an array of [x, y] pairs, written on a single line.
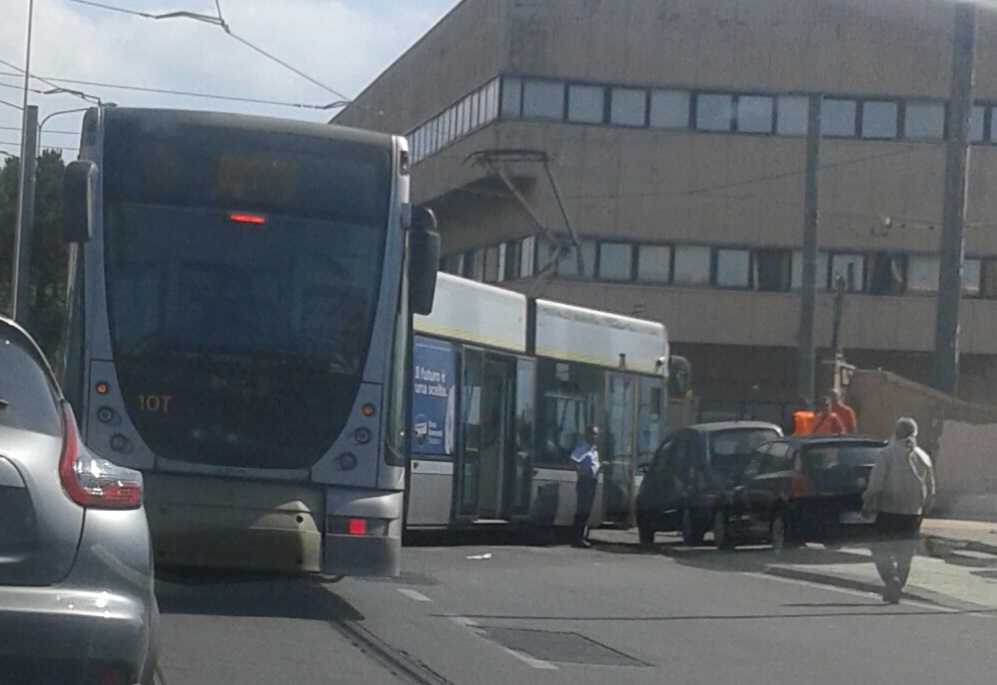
{"points": [[79, 185], [424, 259]]}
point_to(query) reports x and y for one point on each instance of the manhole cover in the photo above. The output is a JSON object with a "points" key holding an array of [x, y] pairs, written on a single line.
{"points": [[570, 648]]}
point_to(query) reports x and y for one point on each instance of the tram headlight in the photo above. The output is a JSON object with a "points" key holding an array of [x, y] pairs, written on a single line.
{"points": [[362, 436], [347, 461], [105, 415]]}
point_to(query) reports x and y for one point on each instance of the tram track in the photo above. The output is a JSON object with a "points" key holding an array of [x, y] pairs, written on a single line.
{"points": [[400, 663]]}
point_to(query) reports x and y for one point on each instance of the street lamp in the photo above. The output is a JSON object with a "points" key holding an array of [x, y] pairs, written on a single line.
{"points": [[19, 240], [55, 114]]}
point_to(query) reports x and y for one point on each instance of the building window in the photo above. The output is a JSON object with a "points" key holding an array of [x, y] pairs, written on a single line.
{"points": [[733, 268], [773, 269], [922, 275], [850, 267], [615, 261], [527, 257], [654, 263], [543, 99], [474, 264], [976, 118], [628, 107], [754, 114], [692, 265], [488, 107], [988, 278], [454, 264], [990, 132], [837, 118], [888, 274], [714, 112], [669, 109], [576, 262], [821, 277], [586, 104], [879, 120], [971, 277], [924, 120], [791, 115], [512, 97]]}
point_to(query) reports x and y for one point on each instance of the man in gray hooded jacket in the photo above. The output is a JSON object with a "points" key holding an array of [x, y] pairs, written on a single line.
{"points": [[901, 489]]}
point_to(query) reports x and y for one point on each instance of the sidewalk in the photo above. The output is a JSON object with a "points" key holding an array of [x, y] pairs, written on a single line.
{"points": [[956, 568]]}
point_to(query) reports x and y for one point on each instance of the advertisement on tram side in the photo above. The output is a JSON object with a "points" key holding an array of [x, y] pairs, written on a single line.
{"points": [[434, 364]]}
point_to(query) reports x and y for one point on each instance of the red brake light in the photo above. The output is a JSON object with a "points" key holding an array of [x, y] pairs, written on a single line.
{"points": [[358, 526], [247, 218], [91, 481], [800, 485]]}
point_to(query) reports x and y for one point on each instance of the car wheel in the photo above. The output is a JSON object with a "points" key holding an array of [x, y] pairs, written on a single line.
{"points": [[645, 533], [692, 531], [782, 536], [721, 532]]}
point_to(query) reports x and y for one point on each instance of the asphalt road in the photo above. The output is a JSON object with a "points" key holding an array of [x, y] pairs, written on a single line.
{"points": [[499, 614]]}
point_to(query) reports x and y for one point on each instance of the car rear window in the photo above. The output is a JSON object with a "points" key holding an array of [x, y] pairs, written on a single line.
{"points": [[739, 441], [27, 400], [829, 456]]}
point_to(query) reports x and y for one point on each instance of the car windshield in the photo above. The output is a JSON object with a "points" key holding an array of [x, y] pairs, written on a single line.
{"points": [[731, 447], [818, 457]]}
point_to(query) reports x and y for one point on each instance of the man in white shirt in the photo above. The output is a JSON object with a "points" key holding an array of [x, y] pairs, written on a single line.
{"points": [[586, 460], [901, 489]]}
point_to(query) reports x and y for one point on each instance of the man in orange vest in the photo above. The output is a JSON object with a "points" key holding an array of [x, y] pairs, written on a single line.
{"points": [[803, 417], [844, 412], [826, 421]]}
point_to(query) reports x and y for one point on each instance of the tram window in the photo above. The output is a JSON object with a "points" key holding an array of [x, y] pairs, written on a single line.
{"points": [[564, 423]]}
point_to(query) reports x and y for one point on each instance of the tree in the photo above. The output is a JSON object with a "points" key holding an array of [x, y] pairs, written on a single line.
{"points": [[47, 273]]}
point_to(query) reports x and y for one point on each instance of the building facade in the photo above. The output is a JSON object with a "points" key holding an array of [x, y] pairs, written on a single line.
{"points": [[648, 157]]}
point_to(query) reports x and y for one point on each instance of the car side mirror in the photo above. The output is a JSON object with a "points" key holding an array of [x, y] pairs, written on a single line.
{"points": [[79, 186], [424, 260]]}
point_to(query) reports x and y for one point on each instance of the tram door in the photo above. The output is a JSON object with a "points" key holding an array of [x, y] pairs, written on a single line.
{"points": [[485, 490], [619, 446]]}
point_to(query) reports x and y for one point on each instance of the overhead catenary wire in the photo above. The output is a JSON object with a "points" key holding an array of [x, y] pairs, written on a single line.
{"points": [[221, 23], [167, 91], [86, 97]]}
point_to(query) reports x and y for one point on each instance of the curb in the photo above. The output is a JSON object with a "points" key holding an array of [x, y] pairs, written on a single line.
{"points": [[838, 581], [961, 544]]}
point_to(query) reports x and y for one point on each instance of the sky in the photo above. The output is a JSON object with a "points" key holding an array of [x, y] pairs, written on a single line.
{"points": [[341, 44]]}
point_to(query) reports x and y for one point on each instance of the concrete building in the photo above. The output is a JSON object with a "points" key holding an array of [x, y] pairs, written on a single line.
{"points": [[668, 136]]}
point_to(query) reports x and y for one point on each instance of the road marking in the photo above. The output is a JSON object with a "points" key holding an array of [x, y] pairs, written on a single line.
{"points": [[414, 595], [530, 661]]}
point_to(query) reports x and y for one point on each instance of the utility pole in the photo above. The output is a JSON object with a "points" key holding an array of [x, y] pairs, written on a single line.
{"points": [[953, 242], [808, 296], [20, 284], [29, 127]]}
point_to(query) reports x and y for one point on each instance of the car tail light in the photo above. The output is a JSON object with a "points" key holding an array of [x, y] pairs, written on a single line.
{"points": [[91, 481], [800, 485]]}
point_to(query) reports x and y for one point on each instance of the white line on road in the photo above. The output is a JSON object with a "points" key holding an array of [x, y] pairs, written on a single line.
{"points": [[530, 661], [414, 595]]}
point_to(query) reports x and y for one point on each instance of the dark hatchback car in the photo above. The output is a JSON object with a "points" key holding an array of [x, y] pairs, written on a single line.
{"points": [[687, 473], [796, 490], [76, 576]]}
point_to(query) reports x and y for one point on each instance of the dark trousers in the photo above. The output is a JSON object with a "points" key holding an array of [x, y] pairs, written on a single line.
{"points": [[894, 547], [585, 496]]}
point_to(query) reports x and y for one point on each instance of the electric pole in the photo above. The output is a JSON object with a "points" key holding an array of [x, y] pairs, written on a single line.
{"points": [[952, 248]]}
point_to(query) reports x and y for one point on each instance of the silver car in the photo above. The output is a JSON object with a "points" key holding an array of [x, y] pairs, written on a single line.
{"points": [[77, 602]]}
